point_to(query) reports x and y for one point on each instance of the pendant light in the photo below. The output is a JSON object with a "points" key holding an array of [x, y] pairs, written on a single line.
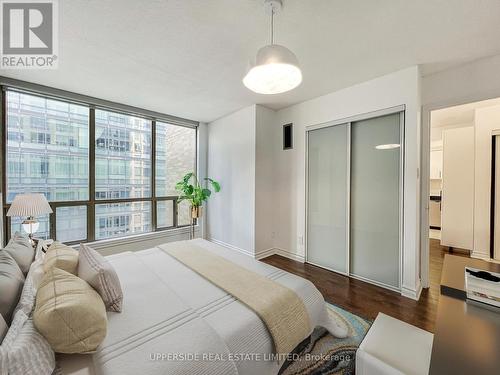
{"points": [[276, 68]]}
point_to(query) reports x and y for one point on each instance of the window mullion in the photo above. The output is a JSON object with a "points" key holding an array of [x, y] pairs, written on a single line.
{"points": [[153, 177], [3, 130], [91, 205]]}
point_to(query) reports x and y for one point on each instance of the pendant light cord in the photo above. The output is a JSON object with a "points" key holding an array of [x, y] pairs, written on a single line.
{"points": [[272, 26]]}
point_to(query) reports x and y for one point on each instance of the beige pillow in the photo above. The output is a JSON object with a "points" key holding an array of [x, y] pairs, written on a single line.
{"points": [[98, 272], [69, 313], [62, 257]]}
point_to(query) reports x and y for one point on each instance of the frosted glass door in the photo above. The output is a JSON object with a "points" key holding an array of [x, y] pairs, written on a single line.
{"points": [[375, 200], [327, 197]]}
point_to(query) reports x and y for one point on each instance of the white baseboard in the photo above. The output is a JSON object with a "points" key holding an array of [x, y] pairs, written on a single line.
{"points": [[265, 253], [289, 255], [232, 247], [277, 251], [410, 293], [262, 253], [478, 255]]}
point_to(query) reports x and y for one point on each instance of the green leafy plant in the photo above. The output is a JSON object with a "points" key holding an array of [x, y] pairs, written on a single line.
{"points": [[194, 193]]}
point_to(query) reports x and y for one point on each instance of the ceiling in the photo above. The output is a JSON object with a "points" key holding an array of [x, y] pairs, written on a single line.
{"points": [[459, 115], [187, 57]]}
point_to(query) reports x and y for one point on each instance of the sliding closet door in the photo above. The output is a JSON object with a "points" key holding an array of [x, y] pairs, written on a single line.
{"points": [[375, 199], [328, 197]]}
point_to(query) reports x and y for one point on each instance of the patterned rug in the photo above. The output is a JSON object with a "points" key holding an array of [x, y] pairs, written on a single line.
{"points": [[324, 354]]}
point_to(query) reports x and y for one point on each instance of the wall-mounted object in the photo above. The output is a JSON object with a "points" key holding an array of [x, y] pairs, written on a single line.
{"points": [[287, 137]]}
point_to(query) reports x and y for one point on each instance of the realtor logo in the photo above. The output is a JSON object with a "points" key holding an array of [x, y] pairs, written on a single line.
{"points": [[29, 34]]}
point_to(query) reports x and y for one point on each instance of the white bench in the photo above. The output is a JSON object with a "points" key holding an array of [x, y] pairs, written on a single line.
{"points": [[393, 347]]}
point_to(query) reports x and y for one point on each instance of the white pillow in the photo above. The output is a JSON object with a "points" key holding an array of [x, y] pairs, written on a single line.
{"points": [[26, 301], [100, 274], [24, 351]]}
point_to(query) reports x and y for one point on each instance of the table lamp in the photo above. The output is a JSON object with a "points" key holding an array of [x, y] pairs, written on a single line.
{"points": [[29, 206]]}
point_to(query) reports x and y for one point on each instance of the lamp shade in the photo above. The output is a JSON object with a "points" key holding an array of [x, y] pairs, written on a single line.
{"points": [[26, 205], [276, 70]]}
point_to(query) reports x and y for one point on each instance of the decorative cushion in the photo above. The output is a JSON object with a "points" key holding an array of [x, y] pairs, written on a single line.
{"points": [[27, 300], [3, 328], [61, 256], [11, 285], [20, 248], [69, 313], [98, 272], [37, 273], [24, 350]]}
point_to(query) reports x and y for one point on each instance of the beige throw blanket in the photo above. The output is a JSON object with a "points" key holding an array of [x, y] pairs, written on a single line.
{"points": [[280, 308]]}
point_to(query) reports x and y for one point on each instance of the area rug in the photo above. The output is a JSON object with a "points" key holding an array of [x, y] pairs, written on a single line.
{"points": [[324, 354]]}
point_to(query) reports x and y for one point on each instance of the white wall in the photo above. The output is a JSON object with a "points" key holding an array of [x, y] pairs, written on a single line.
{"points": [[265, 209], [231, 161], [402, 87]]}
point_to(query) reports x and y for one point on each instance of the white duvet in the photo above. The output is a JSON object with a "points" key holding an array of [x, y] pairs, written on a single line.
{"points": [[176, 322]]}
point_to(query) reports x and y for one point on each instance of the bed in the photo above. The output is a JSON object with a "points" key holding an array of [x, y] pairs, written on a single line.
{"points": [[174, 321]]}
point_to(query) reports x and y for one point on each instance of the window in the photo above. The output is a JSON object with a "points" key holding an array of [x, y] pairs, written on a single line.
{"points": [[175, 155], [122, 219], [40, 164], [52, 147], [125, 165]]}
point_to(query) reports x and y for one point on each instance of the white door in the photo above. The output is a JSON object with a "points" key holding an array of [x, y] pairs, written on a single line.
{"points": [[496, 235], [327, 218], [457, 215], [375, 200]]}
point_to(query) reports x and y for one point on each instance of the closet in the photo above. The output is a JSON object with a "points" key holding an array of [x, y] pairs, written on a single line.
{"points": [[354, 197]]}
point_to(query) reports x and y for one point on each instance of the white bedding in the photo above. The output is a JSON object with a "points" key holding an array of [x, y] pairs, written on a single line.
{"points": [[169, 310]]}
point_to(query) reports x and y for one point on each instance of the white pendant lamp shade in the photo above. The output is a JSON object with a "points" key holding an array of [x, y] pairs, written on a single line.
{"points": [[276, 68], [276, 71], [29, 205]]}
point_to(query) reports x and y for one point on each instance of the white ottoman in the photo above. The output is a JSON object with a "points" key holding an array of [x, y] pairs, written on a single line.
{"points": [[393, 347]]}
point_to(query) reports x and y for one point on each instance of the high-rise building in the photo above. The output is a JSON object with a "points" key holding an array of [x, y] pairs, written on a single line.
{"points": [[48, 152]]}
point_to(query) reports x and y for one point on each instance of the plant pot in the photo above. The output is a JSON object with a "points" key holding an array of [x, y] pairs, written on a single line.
{"points": [[196, 212]]}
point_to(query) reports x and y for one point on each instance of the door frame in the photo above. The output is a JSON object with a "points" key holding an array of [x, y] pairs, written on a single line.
{"points": [[425, 135], [401, 109]]}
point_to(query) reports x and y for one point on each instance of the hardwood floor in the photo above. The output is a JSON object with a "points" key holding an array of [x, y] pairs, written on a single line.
{"points": [[367, 300]]}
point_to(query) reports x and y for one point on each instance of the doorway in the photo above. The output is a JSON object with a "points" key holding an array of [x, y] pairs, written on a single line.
{"points": [[458, 173]]}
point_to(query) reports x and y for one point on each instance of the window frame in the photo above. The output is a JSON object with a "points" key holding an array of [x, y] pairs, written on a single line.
{"points": [[93, 104]]}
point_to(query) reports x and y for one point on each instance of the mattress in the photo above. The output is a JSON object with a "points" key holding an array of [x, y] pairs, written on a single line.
{"points": [[176, 322]]}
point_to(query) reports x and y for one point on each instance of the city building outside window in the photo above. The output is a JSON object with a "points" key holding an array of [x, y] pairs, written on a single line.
{"points": [[48, 151]]}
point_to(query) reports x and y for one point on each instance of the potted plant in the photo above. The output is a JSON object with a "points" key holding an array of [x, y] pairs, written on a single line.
{"points": [[195, 194]]}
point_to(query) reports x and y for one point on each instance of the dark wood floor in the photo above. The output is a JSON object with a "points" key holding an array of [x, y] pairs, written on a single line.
{"points": [[367, 300]]}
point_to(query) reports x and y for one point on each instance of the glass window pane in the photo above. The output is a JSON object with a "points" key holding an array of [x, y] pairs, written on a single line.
{"points": [[183, 213], [71, 223], [122, 219], [47, 148], [165, 214], [122, 156], [175, 156], [43, 231]]}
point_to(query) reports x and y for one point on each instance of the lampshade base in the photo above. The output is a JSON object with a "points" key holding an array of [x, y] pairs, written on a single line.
{"points": [[30, 226]]}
